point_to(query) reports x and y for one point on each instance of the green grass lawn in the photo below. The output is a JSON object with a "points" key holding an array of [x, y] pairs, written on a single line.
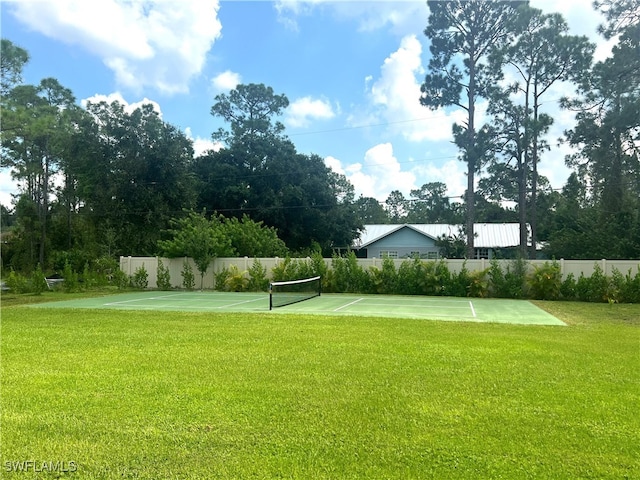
{"points": [[191, 395]]}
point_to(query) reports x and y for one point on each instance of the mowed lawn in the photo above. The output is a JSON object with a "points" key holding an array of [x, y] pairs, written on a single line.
{"points": [[154, 395]]}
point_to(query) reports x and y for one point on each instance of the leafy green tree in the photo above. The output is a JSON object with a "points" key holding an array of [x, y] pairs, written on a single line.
{"points": [[607, 136], [36, 120], [253, 239], [508, 176], [463, 33], [370, 211], [573, 222], [12, 61], [622, 16], [541, 56], [488, 211], [260, 174], [396, 207], [133, 175], [250, 110], [22, 244], [197, 237], [430, 204]]}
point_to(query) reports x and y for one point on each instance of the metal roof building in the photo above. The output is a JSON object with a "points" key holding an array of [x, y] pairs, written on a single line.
{"points": [[410, 240]]}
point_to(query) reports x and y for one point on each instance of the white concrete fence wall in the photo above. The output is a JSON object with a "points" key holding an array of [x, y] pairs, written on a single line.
{"points": [[129, 265]]}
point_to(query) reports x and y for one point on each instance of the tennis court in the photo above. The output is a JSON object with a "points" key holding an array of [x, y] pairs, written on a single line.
{"points": [[390, 306]]}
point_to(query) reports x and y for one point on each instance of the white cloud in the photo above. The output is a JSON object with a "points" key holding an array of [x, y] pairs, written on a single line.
{"points": [[400, 17], [201, 145], [334, 164], [395, 97], [226, 81], [162, 44], [452, 173], [301, 111], [117, 97], [378, 174]]}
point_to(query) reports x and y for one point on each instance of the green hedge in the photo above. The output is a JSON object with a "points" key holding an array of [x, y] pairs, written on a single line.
{"points": [[345, 275]]}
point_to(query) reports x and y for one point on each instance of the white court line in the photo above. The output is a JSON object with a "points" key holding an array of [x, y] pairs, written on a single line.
{"points": [[414, 301], [143, 299], [240, 303], [420, 305], [348, 304], [472, 309], [182, 306]]}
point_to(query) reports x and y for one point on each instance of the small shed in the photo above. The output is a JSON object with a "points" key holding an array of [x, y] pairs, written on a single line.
{"points": [[419, 240]]}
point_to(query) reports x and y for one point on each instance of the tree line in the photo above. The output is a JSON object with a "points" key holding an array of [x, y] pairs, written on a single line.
{"points": [[103, 181]]}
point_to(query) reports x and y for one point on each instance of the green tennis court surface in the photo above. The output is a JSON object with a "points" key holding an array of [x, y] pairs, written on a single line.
{"points": [[415, 307]]}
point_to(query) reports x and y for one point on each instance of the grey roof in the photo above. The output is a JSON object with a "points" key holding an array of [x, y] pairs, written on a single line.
{"points": [[487, 235]]}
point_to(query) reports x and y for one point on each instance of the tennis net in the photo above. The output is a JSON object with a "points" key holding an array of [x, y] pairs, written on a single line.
{"points": [[294, 291]]}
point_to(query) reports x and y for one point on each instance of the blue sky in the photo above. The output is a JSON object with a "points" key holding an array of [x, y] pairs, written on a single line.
{"points": [[351, 71]]}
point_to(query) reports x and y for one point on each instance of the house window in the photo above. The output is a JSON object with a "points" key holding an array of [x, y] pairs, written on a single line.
{"points": [[388, 254], [432, 255], [482, 253], [414, 255]]}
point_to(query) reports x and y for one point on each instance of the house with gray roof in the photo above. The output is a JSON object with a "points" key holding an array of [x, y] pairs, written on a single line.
{"points": [[419, 240]]}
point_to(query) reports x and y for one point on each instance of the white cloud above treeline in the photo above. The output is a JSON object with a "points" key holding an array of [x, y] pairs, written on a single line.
{"points": [[226, 81], [151, 43], [377, 175], [303, 110], [117, 97]]}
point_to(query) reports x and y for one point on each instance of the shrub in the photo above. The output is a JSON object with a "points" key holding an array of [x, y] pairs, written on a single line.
{"points": [[188, 279], [236, 280], [318, 265], [17, 283], [298, 269], [568, 289], [411, 277], [75, 257], [438, 277], [598, 286], [510, 283], [281, 270], [617, 287], [583, 286], [478, 284], [516, 277], [163, 278], [220, 279], [631, 290], [89, 277], [38, 281], [496, 280], [384, 280], [119, 279], [140, 278], [595, 288], [348, 276], [624, 288], [419, 277], [458, 284], [258, 281], [106, 268], [545, 281], [70, 283]]}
